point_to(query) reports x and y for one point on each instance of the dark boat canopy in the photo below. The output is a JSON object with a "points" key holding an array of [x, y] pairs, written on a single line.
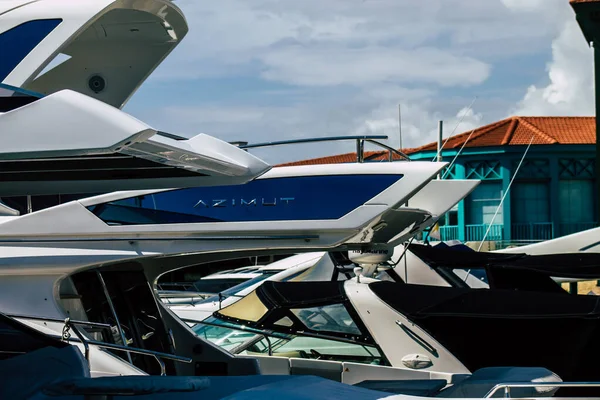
{"points": [[305, 308], [485, 328], [512, 271]]}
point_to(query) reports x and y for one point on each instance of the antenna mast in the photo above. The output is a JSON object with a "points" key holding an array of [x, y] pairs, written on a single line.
{"points": [[400, 126]]}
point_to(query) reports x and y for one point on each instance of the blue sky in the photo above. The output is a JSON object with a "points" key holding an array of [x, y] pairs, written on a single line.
{"points": [[261, 70]]}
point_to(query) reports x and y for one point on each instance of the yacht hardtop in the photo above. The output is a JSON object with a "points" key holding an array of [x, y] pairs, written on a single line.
{"points": [[104, 49]]}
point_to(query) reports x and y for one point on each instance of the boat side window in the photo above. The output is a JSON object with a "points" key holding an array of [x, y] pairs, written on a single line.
{"points": [[329, 318]]}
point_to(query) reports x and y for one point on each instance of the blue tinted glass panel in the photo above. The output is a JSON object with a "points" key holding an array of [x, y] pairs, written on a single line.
{"points": [[17, 43], [484, 202], [576, 201], [278, 199], [530, 202]]}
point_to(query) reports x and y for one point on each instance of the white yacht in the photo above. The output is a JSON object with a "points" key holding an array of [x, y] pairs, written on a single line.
{"points": [[368, 329], [69, 68], [80, 62]]}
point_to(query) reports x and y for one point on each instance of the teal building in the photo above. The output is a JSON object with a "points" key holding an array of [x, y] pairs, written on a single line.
{"points": [[552, 191]]}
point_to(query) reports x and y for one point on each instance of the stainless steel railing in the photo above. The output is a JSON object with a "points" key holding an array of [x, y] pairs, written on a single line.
{"points": [[71, 325], [360, 144], [508, 386]]}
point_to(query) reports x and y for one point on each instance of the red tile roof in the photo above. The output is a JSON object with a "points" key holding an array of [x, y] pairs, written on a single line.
{"points": [[345, 158], [511, 131]]}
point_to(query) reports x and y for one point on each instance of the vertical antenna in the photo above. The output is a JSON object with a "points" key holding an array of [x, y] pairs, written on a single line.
{"points": [[439, 145], [400, 127], [459, 122]]}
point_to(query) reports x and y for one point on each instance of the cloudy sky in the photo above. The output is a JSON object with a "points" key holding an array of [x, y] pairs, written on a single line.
{"points": [[262, 70]]}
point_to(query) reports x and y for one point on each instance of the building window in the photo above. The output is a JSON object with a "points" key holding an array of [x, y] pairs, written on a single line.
{"points": [[530, 202], [576, 201], [484, 203]]}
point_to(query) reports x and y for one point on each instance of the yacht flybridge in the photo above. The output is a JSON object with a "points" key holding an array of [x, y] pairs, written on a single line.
{"points": [[104, 49], [66, 70], [102, 149]]}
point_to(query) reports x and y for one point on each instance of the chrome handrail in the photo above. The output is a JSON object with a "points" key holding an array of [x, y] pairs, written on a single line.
{"points": [[70, 324], [72, 321], [508, 386], [360, 141]]}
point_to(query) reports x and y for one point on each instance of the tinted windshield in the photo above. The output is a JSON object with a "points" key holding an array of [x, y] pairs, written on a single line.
{"points": [[239, 340], [330, 318], [223, 336], [314, 348]]}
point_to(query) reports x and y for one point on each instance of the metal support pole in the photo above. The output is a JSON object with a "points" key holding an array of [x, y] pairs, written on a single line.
{"points": [[597, 101], [400, 126], [439, 145], [360, 150], [573, 287], [29, 205], [112, 309]]}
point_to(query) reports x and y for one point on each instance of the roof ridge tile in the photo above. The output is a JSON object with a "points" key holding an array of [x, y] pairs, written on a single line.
{"points": [[537, 130], [510, 131]]}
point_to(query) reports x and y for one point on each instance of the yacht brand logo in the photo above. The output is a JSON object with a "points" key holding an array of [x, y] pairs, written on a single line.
{"points": [[263, 202]]}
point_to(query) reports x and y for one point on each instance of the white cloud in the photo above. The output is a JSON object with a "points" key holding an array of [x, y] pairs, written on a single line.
{"points": [[569, 90], [419, 124], [363, 113], [371, 65], [346, 64], [277, 39]]}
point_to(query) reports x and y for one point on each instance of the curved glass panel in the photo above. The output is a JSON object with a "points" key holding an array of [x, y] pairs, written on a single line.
{"points": [[330, 318], [316, 348], [238, 340], [222, 336]]}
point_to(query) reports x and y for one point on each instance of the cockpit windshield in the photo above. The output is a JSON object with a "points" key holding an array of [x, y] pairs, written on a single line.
{"points": [[319, 309], [329, 318], [239, 339]]}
